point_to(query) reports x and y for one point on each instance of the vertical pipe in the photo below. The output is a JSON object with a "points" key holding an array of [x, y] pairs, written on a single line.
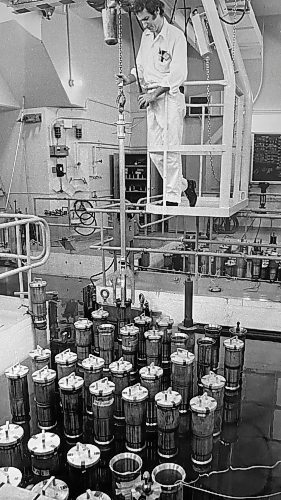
{"points": [[102, 251], [165, 152], [19, 252]]}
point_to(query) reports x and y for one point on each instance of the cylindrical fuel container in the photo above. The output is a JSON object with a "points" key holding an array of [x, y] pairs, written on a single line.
{"points": [[82, 461], [233, 358], [40, 358], [214, 332], [151, 379], [93, 495], [168, 416], [168, 261], [106, 343], [153, 345], [18, 393], [205, 351], [93, 371], [165, 324], [241, 265], [11, 445], [83, 338], [170, 477], [256, 268], [120, 375], [43, 449], [182, 376], [230, 267], [264, 269], [202, 428], [102, 393], [135, 399], [129, 335], [126, 472], [143, 323], [66, 362], [44, 395], [38, 300], [213, 385], [241, 333], [99, 317], [146, 489], [178, 340], [10, 475], [71, 394], [52, 488], [231, 416], [273, 268]]}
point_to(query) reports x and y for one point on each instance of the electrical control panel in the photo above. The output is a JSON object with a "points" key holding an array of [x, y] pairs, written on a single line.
{"points": [[32, 118], [59, 151]]}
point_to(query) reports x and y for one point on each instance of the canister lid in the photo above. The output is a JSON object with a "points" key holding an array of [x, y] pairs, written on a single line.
{"points": [[44, 443], [83, 455], [83, 324], [93, 495], [238, 329], [106, 328], [213, 381], [128, 330], [66, 357], [203, 404], [52, 488], [179, 336], [16, 371], [206, 340], [153, 334], [38, 283], [120, 366], [92, 363], [10, 434], [142, 320], [44, 375], [151, 372], [135, 393], [102, 387], [168, 398], [164, 322], [71, 383], [100, 314], [213, 327], [234, 343], [182, 357], [40, 354], [10, 475]]}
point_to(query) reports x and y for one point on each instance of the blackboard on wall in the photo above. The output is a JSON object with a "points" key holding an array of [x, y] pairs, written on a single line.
{"points": [[266, 158]]}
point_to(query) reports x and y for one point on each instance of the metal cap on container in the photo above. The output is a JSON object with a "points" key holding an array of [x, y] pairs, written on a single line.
{"points": [[44, 375], [206, 340], [182, 357], [102, 387], [45, 443], [203, 404], [38, 283], [66, 357], [40, 354], [213, 381], [168, 398], [16, 371], [142, 320], [10, 475], [151, 372], [83, 455], [106, 328], [83, 324], [100, 314], [179, 336], [153, 334], [213, 327], [234, 343], [164, 322], [71, 383], [52, 488], [93, 495], [93, 363], [10, 434], [135, 393], [120, 366], [128, 330], [146, 489], [238, 330]]}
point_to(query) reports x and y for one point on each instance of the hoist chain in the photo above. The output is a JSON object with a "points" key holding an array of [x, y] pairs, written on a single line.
{"points": [[234, 33], [207, 63], [121, 99]]}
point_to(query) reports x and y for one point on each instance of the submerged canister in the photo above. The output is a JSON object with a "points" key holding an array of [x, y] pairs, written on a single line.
{"points": [[233, 359], [102, 393], [264, 269], [99, 317], [129, 335], [93, 495], [170, 477], [10, 475], [38, 299], [126, 472], [231, 416], [165, 324], [146, 489], [168, 415], [43, 448], [106, 343], [213, 385], [11, 447], [178, 339], [153, 345], [45, 398], [40, 357], [202, 428], [120, 375], [18, 393], [82, 460], [256, 268], [214, 332], [66, 362], [151, 379], [182, 376], [83, 338], [205, 352], [240, 332], [71, 394], [52, 488], [143, 323], [93, 370], [135, 399]]}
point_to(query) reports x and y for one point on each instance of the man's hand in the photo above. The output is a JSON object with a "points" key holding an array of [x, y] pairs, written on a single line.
{"points": [[125, 79], [145, 99]]}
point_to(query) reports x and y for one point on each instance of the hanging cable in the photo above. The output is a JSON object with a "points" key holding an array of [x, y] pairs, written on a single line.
{"points": [[134, 51], [173, 11], [241, 17], [139, 23], [101, 272]]}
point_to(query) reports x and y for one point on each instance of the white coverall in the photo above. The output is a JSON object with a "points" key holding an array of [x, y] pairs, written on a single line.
{"points": [[163, 61]]}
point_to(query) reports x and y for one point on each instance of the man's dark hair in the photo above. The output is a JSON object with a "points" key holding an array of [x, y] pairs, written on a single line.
{"points": [[150, 5]]}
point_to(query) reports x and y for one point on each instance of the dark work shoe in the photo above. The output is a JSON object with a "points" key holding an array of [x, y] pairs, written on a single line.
{"points": [[190, 193]]}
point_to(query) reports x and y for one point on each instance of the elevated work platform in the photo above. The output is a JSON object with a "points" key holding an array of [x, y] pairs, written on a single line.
{"points": [[205, 206]]}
